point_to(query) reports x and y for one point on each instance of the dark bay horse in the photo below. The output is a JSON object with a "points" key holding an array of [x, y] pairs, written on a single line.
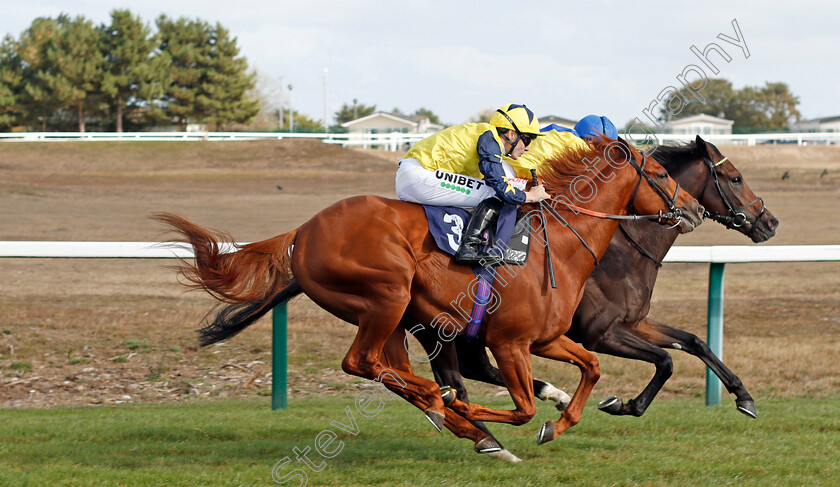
{"points": [[371, 262], [612, 315]]}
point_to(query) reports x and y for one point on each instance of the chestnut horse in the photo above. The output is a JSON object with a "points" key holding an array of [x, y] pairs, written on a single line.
{"points": [[612, 315], [372, 262]]}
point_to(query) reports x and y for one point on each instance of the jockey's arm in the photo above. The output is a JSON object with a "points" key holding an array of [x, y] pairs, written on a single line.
{"points": [[490, 165]]}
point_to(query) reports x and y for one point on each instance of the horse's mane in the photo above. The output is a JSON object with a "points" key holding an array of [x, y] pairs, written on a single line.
{"points": [[671, 157], [558, 172]]}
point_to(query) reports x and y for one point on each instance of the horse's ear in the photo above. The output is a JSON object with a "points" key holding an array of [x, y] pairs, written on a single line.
{"points": [[630, 149], [625, 144], [700, 144]]}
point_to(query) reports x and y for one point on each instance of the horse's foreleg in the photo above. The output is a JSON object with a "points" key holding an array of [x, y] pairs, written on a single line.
{"points": [[565, 350], [474, 364], [515, 367], [669, 337], [444, 365]]}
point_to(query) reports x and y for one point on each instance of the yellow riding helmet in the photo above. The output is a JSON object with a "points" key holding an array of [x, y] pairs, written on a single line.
{"points": [[518, 118]]}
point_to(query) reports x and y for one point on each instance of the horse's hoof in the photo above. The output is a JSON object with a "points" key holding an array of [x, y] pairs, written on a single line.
{"points": [[505, 455], [448, 394], [611, 405], [487, 445], [435, 418], [546, 433], [747, 407]]}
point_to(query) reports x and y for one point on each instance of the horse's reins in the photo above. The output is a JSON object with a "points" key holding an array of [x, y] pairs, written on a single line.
{"points": [[545, 236], [673, 213], [737, 217]]}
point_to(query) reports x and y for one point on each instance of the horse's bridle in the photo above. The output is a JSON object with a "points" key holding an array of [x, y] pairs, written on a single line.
{"points": [[736, 217], [674, 213]]}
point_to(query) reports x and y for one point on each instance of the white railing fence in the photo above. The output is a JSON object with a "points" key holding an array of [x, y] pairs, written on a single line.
{"points": [[399, 141], [715, 256], [393, 141]]}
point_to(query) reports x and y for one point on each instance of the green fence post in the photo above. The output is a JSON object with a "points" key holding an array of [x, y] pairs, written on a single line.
{"points": [[715, 330], [278, 357]]}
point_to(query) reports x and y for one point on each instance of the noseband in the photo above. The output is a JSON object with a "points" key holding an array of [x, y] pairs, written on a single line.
{"points": [[674, 213], [736, 217]]}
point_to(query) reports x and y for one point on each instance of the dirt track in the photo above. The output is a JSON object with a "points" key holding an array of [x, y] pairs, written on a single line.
{"points": [[104, 331]]}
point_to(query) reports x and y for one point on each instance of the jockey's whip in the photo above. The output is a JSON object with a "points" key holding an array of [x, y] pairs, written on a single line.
{"points": [[545, 235]]}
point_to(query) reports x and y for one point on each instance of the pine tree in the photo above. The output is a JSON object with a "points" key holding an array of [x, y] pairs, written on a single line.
{"points": [[75, 67], [209, 81], [35, 99], [11, 83], [229, 82], [134, 77]]}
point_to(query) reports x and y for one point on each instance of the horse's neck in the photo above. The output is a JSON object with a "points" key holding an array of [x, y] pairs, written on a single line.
{"points": [[611, 197], [651, 236]]}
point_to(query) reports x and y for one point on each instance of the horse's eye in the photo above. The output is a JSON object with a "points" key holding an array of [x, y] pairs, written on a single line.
{"points": [[736, 180], [662, 176]]}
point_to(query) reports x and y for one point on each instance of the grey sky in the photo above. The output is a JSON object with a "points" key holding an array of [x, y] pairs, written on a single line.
{"points": [[458, 58]]}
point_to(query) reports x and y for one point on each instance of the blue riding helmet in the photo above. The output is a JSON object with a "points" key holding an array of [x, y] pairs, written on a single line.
{"points": [[595, 126]]}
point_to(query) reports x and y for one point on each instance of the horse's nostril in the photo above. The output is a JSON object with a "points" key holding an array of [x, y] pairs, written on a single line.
{"points": [[772, 222], [700, 210]]}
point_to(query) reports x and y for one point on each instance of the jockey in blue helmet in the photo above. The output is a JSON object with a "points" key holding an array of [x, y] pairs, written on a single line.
{"points": [[595, 126]]}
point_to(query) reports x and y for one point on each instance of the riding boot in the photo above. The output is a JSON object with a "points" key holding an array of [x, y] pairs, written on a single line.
{"points": [[475, 235]]}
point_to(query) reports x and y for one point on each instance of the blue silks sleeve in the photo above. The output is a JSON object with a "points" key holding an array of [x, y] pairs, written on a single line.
{"points": [[490, 165], [558, 128]]}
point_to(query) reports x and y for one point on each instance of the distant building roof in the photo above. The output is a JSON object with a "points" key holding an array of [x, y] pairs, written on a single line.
{"points": [[385, 121], [549, 119], [702, 117], [823, 119], [390, 116]]}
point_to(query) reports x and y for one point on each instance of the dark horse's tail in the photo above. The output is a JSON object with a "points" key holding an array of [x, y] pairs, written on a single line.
{"points": [[251, 280]]}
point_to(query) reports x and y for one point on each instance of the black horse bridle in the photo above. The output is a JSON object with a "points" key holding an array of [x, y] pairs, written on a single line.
{"points": [[736, 217], [674, 213]]}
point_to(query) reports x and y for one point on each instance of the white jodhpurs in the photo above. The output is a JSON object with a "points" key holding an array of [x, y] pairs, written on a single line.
{"points": [[416, 184]]}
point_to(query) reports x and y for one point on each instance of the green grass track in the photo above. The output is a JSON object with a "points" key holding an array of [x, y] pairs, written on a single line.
{"points": [[242, 442]]}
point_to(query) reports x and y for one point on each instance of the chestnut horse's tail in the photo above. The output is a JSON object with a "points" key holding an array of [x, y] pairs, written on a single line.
{"points": [[234, 318], [251, 280], [256, 271]]}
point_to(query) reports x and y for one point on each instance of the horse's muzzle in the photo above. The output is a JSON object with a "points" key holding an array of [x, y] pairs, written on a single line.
{"points": [[690, 218]]}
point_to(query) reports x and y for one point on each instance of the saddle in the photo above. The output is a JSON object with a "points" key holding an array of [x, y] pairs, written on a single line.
{"points": [[447, 223], [516, 251]]}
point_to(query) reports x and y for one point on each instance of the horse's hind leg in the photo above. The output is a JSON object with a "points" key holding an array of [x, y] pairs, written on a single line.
{"points": [[364, 359], [622, 342], [669, 337]]}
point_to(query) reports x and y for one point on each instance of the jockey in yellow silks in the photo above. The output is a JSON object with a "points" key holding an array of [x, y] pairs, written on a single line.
{"points": [[559, 139], [552, 145], [469, 165]]}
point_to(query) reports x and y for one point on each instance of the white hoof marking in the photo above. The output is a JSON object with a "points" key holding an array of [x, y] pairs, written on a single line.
{"points": [[506, 456], [560, 398]]}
